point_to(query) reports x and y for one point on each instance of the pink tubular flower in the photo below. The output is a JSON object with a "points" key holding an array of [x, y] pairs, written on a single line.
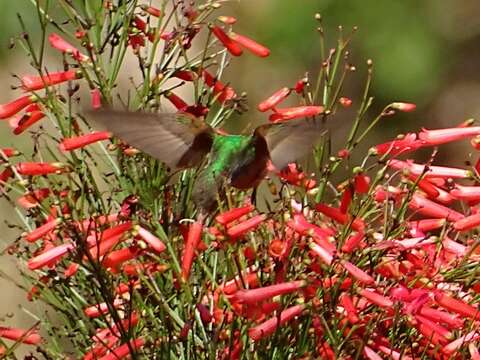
{"points": [[442, 136], [300, 225], [268, 327], [78, 142], [429, 208], [462, 340], [95, 311], [250, 45], [42, 230], [474, 353], [467, 193], [324, 255], [352, 242], [40, 82], [357, 273], [245, 226], [275, 99], [295, 113], [57, 42], [376, 298], [49, 256], [402, 106], [96, 98], [30, 337], [123, 350], [252, 296], [232, 46], [152, 241], [11, 108], [401, 145], [431, 171], [233, 214], [193, 238], [452, 320], [39, 168], [370, 353]]}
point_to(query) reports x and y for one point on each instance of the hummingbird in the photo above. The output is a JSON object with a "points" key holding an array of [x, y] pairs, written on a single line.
{"points": [[183, 141]]}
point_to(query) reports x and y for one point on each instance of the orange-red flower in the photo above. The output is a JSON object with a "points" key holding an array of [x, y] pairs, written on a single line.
{"points": [[276, 98], [78, 142], [250, 45], [57, 42], [13, 107], [232, 46], [39, 82], [268, 327]]}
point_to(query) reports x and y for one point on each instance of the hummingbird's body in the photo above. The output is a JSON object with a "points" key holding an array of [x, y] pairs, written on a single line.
{"points": [[181, 141]]}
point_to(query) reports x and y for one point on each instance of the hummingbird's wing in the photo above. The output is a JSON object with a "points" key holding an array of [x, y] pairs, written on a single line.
{"points": [[178, 140], [289, 141]]}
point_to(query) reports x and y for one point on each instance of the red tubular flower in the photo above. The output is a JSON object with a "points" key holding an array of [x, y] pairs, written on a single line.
{"points": [[232, 46], [325, 255], [30, 337], [39, 168], [233, 214], [95, 311], [152, 10], [402, 106], [95, 98], [376, 298], [78, 142], [101, 245], [140, 24], [39, 82], [185, 75], [434, 327], [245, 226], [250, 45], [270, 326], [346, 199], [152, 241], [8, 152], [42, 230], [252, 296], [123, 350], [223, 93], [429, 208], [101, 348], [295, 113], [467, 223], [116, 258], [275, 99], [452, 320], [57, 42], [193, 238], [431, 171], [71, 270], [351, 311], [26, 121], [426, 224], [11, 108], [442, 136], [361, 183], [402, 145], [177, 101], [33, 199], [336, 214], [457, 306], [352, 242], [49, 256], [229, 20]]}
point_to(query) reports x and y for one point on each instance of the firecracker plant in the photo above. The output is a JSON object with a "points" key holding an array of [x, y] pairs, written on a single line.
{"points": [[380, 265]]}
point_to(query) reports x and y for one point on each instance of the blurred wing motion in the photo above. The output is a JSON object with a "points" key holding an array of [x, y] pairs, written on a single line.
{"points": [[290, 141], [177, 140]]}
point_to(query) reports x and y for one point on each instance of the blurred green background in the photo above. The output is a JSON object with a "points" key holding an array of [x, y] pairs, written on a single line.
{"points": [[426, 52]]}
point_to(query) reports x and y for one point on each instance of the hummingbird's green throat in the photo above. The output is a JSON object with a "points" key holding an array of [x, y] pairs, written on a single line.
{"points": [[181, 141]]}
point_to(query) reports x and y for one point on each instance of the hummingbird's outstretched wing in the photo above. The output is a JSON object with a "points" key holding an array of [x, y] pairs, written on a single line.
{"points": [[289, 141], [177, 140]]}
